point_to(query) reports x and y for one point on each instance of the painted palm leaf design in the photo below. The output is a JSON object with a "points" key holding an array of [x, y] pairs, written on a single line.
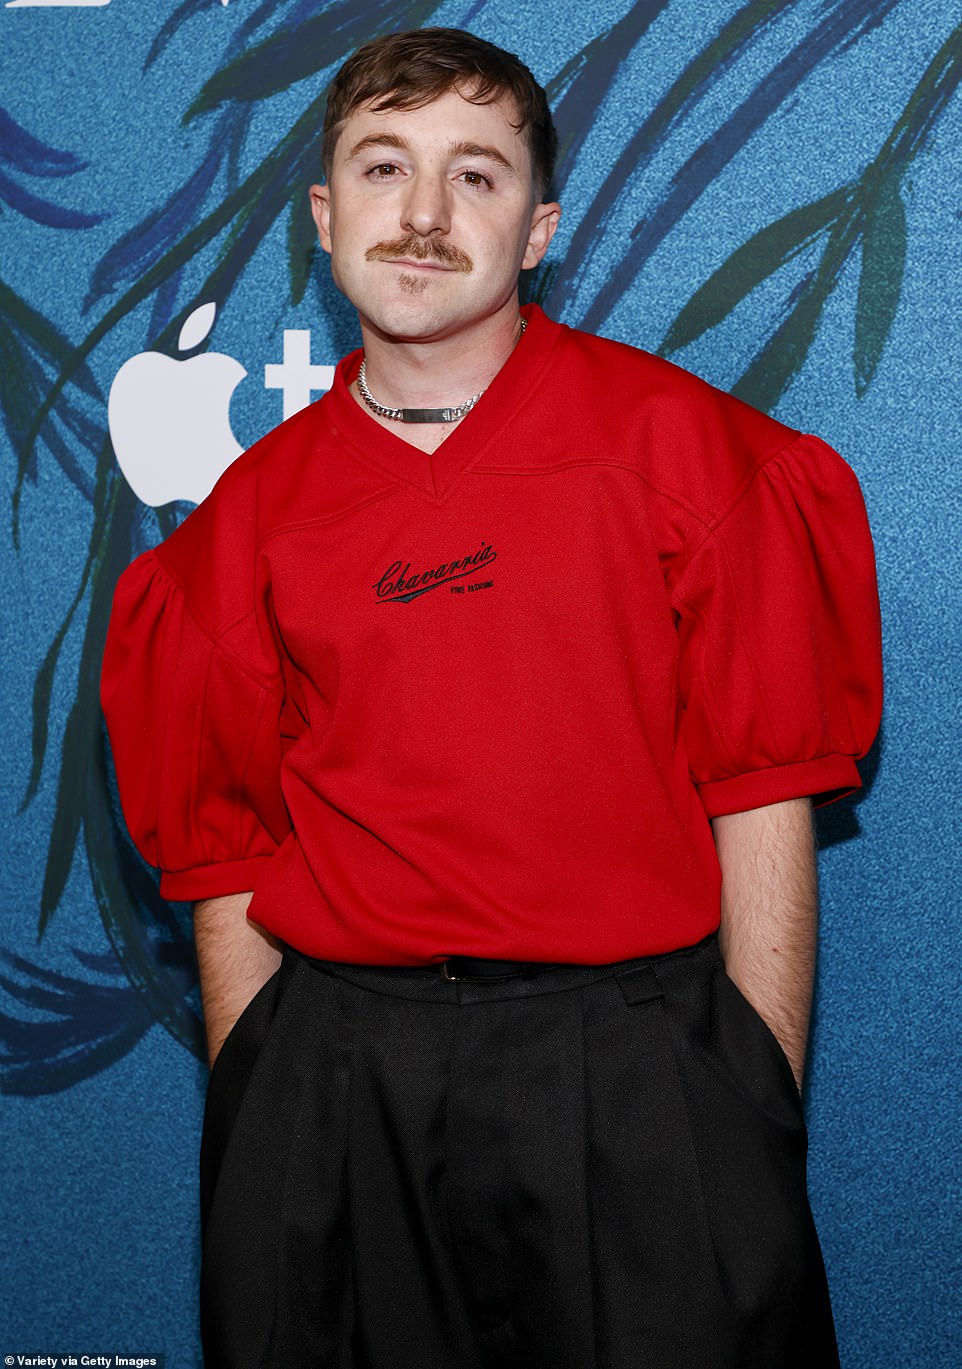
{"points": [[24, 158], [866, 214], [32, 351], [197, 246]]}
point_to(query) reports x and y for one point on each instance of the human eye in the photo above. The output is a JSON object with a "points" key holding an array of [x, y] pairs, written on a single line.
{"points": [[476, 180], [383, 171]]}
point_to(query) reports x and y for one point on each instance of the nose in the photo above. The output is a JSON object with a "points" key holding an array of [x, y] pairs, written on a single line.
{"points": [[426, 210]]}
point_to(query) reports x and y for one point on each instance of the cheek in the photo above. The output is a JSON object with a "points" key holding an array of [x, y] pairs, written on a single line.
{"points": [[348, 244]]}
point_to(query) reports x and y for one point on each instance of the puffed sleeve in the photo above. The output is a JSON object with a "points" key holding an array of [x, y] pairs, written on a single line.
{"points": [[777, 611], [194, 732]]}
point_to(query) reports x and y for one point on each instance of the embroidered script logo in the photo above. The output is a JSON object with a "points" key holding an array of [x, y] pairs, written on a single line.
{"points": [[397, 586]]}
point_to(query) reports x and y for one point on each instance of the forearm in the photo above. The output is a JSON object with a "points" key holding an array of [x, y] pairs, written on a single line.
{"points": [[769, 915], [235, 958]]}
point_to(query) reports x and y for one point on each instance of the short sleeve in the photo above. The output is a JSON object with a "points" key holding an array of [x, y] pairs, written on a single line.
{"points": [[194, 733], [780, 639]]}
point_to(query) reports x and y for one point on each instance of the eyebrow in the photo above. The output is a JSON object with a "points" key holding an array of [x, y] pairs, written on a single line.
{"points": [[462, 149], [379, 140], [476, 150]]}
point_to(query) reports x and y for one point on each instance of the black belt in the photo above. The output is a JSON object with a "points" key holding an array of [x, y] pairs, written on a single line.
{"points": [[469, 967]]}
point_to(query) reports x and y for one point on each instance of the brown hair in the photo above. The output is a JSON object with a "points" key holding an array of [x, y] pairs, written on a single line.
{"points": [[408, 70]]}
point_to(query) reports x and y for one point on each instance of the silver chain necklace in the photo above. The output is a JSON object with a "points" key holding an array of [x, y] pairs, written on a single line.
{"points": [[419, 415]]}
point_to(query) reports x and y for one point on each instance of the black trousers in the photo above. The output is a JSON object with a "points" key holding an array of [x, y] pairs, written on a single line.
{"points": [[596, 1168]]}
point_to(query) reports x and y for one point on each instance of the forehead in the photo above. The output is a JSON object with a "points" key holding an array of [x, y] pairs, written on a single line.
{"points": [[449, 121]]}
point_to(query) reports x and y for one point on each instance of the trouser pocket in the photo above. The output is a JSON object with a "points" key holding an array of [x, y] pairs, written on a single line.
{"points": [[762, 1296], [230, 1075], [275, 1274], [746, 1048]]}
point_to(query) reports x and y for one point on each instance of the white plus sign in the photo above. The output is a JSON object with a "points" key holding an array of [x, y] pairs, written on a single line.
{"points": [[295, 377]]}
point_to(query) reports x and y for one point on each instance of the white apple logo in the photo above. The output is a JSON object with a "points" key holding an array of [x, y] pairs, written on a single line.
{"points": [[170, 420]]}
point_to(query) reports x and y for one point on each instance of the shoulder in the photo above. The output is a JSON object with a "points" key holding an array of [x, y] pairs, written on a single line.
{"points": [[689, 440], [224, 530], [263, 474], [296, 473]]}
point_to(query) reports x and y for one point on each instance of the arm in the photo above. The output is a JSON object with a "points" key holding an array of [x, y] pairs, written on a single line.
{"points": [[769, 915], [235, 958]]}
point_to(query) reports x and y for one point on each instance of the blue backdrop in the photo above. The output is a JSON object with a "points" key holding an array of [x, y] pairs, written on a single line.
{"points": [[770, 193]]}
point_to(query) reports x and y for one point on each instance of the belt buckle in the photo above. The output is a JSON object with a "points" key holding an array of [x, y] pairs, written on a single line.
{"points": [[446, 973]]}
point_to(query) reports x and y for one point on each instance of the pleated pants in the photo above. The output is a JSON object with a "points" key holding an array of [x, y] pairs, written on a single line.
{"points": [[595, 1168]]}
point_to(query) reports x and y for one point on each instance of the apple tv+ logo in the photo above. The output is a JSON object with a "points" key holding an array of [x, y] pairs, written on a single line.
{"points": [[169, 419]]}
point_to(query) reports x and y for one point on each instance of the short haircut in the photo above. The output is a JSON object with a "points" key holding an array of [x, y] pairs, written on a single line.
{"points": [[408, 70]]}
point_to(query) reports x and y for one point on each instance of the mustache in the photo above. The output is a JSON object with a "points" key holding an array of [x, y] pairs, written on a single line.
{"points": [[420, 249]]}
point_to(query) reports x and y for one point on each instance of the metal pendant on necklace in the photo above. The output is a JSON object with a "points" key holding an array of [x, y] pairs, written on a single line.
{"points": [[412, 415], [450, 415]]}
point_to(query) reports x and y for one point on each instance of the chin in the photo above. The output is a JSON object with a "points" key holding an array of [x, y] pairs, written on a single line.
{"points": [[411, 320]]}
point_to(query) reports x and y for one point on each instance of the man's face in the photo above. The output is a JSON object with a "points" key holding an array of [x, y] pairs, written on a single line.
{"points": [[429, 214]]}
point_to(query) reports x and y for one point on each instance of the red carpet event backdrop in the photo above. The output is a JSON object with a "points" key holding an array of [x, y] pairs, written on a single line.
{"points": [[769, 194]]}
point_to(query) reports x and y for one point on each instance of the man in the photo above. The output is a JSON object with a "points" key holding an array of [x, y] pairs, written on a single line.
{"points": [[504, 676]]}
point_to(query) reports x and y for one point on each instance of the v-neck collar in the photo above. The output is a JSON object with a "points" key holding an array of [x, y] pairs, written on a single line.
{"points": [[436, 472]]}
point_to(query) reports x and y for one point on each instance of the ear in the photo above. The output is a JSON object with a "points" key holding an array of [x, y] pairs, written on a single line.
{"points": [[544, 221], [321, 210]]}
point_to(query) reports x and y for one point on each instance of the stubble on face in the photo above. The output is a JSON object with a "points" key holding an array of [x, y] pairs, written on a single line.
{"points": [[413, 285]]}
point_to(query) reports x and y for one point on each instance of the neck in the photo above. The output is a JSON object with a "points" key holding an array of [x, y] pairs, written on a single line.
{"points": [[442, 371]]}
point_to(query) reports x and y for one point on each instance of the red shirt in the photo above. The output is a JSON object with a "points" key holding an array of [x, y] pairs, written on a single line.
{"points": [[485, 702]]}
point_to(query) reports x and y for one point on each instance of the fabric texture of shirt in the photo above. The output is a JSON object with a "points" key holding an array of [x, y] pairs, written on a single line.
{"points": [[486, 701]]}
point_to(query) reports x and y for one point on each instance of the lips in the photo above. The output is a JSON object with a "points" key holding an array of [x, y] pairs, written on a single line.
{"points": [[413, 265]]}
